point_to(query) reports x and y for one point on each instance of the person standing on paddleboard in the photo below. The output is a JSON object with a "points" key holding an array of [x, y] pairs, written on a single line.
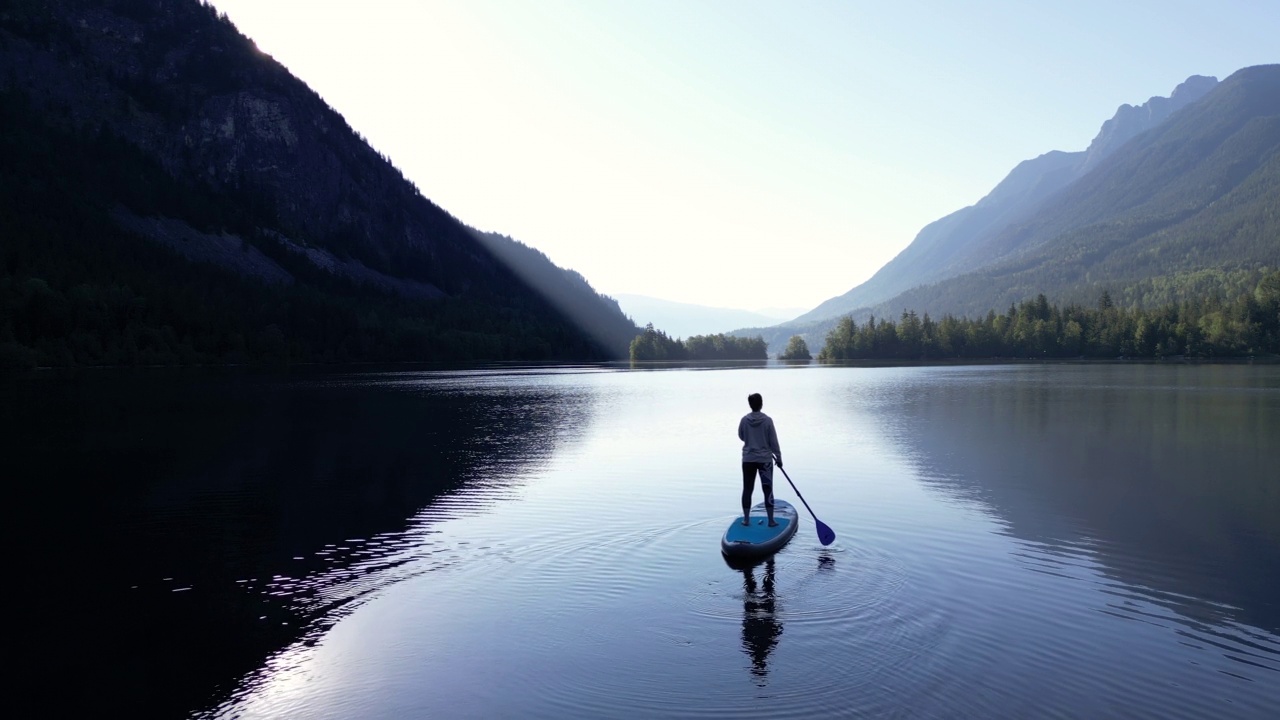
{"points": [[759, 450]]}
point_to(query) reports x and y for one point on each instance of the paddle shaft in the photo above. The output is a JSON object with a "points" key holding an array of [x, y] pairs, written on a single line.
{"points": [[826, 535], [793, 487]]}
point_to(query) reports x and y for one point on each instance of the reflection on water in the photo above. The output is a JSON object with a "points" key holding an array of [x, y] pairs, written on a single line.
{"points": [[1013, 542], [760, 626], [210, 519], [1150, 491], [1157, 468]]}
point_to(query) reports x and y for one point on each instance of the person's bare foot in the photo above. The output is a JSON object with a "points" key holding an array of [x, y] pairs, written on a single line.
{"points": [[746, 522], [773, 523]]}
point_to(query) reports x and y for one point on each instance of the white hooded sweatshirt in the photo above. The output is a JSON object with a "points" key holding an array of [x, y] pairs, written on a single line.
{"points": [[759, 439]]}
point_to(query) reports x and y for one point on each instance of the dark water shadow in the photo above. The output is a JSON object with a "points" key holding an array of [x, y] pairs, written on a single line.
{"points": [[179, 529]]}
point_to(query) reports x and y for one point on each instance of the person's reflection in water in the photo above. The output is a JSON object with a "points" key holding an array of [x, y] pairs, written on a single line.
{"points": [[760, 626]]}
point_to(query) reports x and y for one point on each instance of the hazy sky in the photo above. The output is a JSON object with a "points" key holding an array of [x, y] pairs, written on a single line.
{"points": [[730, 153]]}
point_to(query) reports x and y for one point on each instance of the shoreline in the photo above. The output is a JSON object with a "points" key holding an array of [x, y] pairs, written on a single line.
{"points": [[429, 366]]}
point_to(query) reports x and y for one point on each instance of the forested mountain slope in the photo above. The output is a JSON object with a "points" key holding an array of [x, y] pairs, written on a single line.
{"points": [[944, 247], [1188, 208], [1198, 193], [174, 195]]}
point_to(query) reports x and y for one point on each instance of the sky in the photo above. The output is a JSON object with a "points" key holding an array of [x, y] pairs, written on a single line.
{"points": [[733, 153]]}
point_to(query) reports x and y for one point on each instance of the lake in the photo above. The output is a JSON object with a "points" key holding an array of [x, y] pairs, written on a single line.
{"points": [[1074, 541]]}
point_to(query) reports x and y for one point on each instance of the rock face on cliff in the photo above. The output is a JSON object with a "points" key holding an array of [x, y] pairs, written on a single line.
{"points": [[1129, 121], [278, 171]]}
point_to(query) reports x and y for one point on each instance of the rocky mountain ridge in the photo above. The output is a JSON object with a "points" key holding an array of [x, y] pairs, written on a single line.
{"points": [[1180, 210], [939, 250]]}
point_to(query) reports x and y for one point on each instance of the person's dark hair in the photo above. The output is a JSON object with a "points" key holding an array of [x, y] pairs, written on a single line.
{"points": [[755, 401]]}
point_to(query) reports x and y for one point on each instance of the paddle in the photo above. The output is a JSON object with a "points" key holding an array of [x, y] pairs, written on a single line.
{"points": [[826, 535]]}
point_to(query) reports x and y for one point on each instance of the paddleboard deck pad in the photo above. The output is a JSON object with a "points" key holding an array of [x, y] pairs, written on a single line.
{"points": [[757, 540]]}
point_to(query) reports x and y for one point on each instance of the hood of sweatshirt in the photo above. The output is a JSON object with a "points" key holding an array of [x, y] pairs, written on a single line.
{"points": [[755, 418]]}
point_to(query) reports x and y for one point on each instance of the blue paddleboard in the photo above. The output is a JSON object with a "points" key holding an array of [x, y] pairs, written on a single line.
{"points": [[743, 542]]}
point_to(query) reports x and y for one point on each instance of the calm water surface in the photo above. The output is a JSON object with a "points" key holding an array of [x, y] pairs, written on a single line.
{"points": [[1013, 541]]}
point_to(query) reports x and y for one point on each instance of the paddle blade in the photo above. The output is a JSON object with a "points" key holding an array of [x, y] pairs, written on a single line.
{"points": [[826, 535]]}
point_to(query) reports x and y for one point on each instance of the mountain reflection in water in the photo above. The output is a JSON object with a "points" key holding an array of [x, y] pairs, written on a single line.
{"points": [[230, 513], [1014, 541], [1164, 475]]}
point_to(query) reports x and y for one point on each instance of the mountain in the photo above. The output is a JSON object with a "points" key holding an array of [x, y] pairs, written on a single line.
{"points": [[683, 320], [939, 251], [1200, 192], [171, 194], [1186, 207], [779, 313]]}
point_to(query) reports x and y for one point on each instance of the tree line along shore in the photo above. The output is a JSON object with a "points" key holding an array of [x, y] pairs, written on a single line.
{"points": [[1214, 327]]}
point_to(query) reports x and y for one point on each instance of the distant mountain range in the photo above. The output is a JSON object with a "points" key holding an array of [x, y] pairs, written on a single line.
{"points": [[683, 320], [1173, 197], [171, 194]]}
